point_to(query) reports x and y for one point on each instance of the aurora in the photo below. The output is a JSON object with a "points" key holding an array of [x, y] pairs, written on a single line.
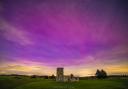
{"points": [[36, 36]]}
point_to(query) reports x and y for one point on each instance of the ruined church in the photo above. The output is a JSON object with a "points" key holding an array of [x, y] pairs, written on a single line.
{"points": [[60, 77]]}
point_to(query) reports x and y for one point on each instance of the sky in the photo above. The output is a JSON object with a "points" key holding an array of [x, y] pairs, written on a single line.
{"points": [[37, 36]]}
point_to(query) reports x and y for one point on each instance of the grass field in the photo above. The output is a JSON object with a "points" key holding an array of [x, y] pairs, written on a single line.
{"points": [[12, 82]]}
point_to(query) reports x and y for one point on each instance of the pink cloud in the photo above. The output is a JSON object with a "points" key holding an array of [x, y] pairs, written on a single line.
{"points": [[15, 34]]}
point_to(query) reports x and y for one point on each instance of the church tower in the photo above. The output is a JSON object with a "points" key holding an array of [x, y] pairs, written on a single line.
{"points": [[60, 74]]}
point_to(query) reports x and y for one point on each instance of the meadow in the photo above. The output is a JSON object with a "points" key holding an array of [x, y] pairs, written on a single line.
{"points": [[22, 82]]}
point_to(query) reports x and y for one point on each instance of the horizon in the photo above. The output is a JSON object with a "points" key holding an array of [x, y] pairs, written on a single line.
{"points": [[93, 75], [37, 36]]}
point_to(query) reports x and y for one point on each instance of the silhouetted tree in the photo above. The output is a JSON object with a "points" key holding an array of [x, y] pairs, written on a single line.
{"points": [[71, 76], [101, 74], [52, 77], [98, 74], [33, 76]]}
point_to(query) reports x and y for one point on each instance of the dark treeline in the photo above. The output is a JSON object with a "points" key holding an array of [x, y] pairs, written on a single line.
{"points": [[100, 74]]}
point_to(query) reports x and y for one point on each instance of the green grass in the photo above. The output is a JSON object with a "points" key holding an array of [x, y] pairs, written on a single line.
{"points": [[10, 82]]}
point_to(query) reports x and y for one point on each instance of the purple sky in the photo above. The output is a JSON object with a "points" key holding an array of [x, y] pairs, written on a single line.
{"points": [[80, 34]]}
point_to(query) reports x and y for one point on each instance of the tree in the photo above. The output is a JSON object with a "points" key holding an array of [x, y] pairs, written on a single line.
{"points": [[101, 74], [71, 76], [98, 74], [33, 76], [53, 76]]}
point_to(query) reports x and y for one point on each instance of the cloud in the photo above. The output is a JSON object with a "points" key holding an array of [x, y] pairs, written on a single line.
{"points": [[89, 68], [15, 34], [19, 68], [117, 53]]}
